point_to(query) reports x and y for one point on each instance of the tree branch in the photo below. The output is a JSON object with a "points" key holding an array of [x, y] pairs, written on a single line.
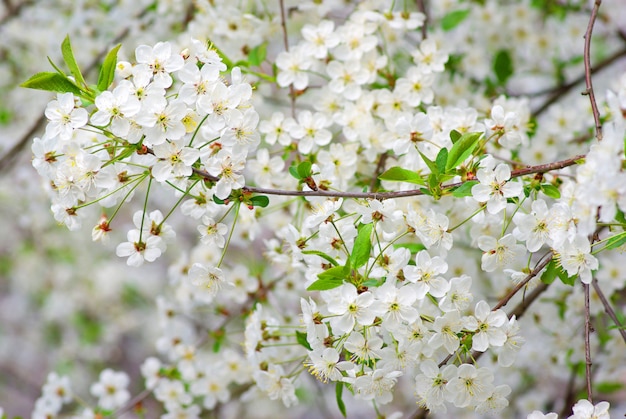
{"points": [[608, 309], [283, 25], [542, 168], [587, 344], [421, 6], [587, 60], [522, 284]]}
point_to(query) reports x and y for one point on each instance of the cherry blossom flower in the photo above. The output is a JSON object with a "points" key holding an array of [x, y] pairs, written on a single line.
{"points": [[111, 389], [350, 308], [326, 365], [139, 249], [471, 385], [159, 62], [584, 409], [576, 258], [494, 187], [64, 117], [487, 324]]}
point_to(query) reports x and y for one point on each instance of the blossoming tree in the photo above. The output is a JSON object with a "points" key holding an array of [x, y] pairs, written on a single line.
{"points": [[376, 209]]}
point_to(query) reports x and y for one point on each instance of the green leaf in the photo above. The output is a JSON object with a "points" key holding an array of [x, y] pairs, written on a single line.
{"points": [[615, 241], [340, 403], [454, 136], [257, 55], [51, 82], [260, 201], [301, 338], [68, 56], [431, 164], [61, 72], [294, 172], [413, 247], [324, 284], [107, 71], [503, 66], [608, 387], [398, 174], [551, 273], [322, 255], [453, 19], [565, 279], [362, 246], [304, 169], [219, 336], [329, 279], [465, 189], [462, 149], [371, 283], [441, 160], [551, 191]]}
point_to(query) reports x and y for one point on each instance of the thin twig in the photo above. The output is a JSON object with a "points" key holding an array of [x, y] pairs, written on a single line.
{"points": [[14, 10], [132, 403], [587, 344], [542, 168], [587, 60], [522, 284], [608, 309], [519, 310], [421, 6], [557, 92], [283, 25]]}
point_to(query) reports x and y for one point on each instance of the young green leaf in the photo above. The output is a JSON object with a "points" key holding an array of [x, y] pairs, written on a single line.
{"points": [[362, 246], [293, 170], [324, 284], [465, 189], [304, 169], [453, 19], [301, 338], [322, 255], [398, 174], [551, 191], [431, 164], [454, 136], [413, 247], [462, 149], [51, 82], [340, 404], [260, 201], [616, 241], [441, 160], [257, 55], [68, 57], [107, 71], [503, 66], [551, 273]]}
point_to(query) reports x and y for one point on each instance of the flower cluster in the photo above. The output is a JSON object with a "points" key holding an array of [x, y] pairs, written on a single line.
{"points": [[405, 213]]}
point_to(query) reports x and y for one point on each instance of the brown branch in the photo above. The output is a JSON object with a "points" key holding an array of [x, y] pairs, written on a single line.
{"points": [[132, 403], [14, 10], [542, 168], [421, 6], [522, 284], [608, 309], [587, 344], [559, 91], [587, 60], [283, 25], [380, 166]]}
